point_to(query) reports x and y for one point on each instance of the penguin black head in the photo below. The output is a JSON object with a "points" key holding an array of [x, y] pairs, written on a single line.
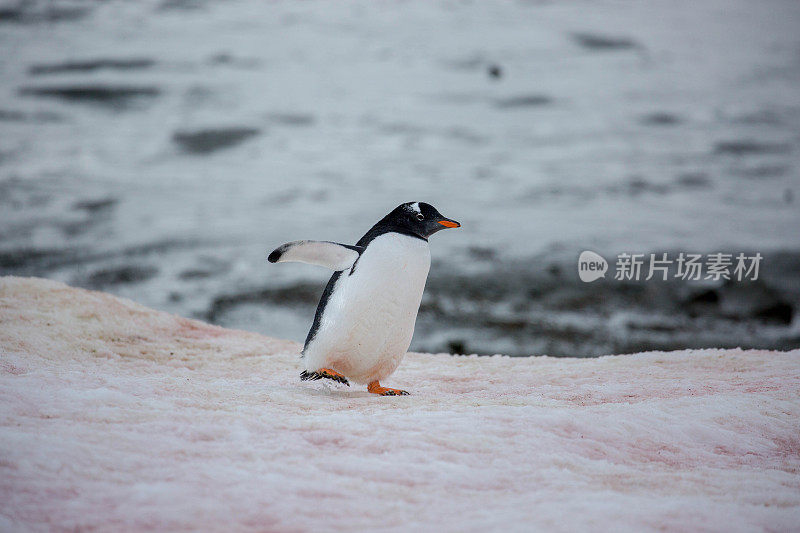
{"points": [[418, 219]]}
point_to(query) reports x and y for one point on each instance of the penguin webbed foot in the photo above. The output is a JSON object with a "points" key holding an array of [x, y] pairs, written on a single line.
{"points": [[395, 392], [376, 388], [326, 373]]}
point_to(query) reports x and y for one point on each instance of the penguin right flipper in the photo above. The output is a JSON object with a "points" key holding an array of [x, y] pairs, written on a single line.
{"points": [[323, 253]]}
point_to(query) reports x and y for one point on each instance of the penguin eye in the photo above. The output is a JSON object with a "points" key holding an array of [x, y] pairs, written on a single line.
{"points": [[420, 216]]}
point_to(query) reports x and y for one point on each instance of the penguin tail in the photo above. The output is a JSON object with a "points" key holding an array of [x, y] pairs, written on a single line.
{"points": [[325, 373]]}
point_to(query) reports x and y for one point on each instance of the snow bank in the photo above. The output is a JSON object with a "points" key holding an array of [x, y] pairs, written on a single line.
{"points": [[115, 416]]}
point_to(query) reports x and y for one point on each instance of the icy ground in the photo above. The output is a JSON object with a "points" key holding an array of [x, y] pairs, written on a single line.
{"points": [[160, 149], [117, 417]]}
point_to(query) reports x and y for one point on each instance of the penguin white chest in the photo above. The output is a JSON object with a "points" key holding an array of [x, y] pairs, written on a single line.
{"points": [[368, 322]]}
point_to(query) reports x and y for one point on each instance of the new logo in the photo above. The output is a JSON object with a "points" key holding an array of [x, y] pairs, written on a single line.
{"points": [[591, 266]]}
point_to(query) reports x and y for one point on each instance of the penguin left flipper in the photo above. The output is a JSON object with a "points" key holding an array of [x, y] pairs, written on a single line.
{"points": [[332, 255]]}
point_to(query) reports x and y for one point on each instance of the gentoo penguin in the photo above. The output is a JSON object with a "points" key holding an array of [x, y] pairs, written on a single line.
{"points": [[365, 318]]}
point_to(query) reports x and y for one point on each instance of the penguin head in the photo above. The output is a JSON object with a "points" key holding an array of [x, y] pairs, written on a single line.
{"points": [[419, 218]]}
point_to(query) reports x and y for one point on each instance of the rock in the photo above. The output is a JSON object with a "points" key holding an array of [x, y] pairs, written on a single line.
{"points": [[113, 96], [742, 147], [120, 275], [206, 141], [91, 65], [597, 42], [523, 100]]}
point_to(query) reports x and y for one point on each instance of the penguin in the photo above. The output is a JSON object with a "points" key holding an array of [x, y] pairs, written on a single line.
{"points": [[365, 319]]}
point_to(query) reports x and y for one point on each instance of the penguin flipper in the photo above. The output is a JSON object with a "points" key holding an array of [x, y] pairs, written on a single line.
{"points": [[323, 253]]}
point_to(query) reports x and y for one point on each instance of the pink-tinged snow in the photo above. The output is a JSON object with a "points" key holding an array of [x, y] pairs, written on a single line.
{"points": [[117, 417]]}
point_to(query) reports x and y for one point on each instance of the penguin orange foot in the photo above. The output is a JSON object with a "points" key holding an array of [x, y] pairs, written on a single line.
{"points": [[375, 388], [326, 373]]}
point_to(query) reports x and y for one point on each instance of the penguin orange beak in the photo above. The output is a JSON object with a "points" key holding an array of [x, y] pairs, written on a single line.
{"points": [[447, 223]]}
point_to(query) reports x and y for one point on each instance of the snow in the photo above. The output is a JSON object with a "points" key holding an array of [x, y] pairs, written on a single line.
{"points": [[117, 417], [584, 143]]}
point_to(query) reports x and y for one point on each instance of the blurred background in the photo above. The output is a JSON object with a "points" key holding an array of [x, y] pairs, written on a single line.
{"points": [[159, 150]]}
